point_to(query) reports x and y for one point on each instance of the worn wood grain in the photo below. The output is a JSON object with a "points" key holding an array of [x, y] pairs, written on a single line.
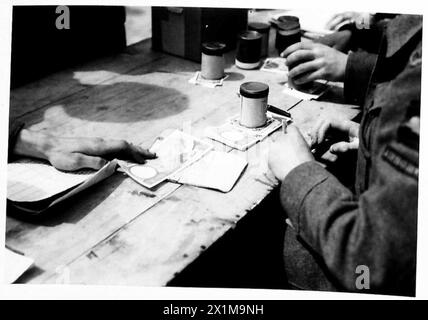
{"points": [[162, 242], [113, 234]]}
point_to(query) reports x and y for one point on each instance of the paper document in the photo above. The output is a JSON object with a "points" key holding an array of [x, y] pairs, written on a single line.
{"points": [[216, 170], [15, 265], [31, 181], [275, 65], [312, 92], [239, 137], [174, 153]]}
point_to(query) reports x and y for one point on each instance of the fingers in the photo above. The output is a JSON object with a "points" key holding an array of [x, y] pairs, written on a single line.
{"points": [[304, 68], [76, 161], [319, 132], [297, 46], [110, 148], [343, 146], [340, 147], [298, 57], [335, 21], [139, 154], [309, 77]]}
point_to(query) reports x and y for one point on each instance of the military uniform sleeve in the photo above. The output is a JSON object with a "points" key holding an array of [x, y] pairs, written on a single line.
{"points": [[377, 231], [359, 68]]}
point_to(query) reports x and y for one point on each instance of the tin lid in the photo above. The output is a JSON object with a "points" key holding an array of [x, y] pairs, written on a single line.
{"points": [[213, 48], [288, 23], [250, 35], [254, 89], [259, 26]]}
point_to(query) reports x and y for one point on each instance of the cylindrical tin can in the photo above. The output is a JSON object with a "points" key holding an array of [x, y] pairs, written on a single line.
{"points": [[254, 98], [263, 29], [249, 48], [212, 65], [288, 32]]}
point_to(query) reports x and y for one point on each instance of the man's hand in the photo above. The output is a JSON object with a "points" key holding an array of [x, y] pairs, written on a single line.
{"points": [[332, 126], [340, 19], [340, 40], [71, 154], [309, 61], [288, 151]]}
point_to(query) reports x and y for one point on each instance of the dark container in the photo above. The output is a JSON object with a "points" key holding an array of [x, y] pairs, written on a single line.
{"points": [[288, 32], [249, 50], [263, 29]]}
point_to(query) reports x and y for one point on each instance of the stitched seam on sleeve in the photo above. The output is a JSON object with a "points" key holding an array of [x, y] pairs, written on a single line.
{"points": [[303, 200]]}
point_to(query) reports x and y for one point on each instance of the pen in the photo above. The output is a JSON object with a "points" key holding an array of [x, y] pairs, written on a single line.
{"points": [[278, 111]]}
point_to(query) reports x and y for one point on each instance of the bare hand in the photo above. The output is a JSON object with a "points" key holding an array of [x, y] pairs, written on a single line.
{"points": [[343, 18], [340, 40], [332, 126], [288, 151], [71, 154], [309, 61]]}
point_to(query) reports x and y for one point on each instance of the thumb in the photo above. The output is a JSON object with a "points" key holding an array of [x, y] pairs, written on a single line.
{"points": [[340, 147]]}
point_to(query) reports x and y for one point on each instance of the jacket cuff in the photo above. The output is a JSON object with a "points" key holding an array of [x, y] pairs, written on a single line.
{"points": [[359, 68], [297, 185]]}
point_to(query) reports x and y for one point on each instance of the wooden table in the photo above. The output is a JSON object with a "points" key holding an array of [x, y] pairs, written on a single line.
{"points": [[113, 234]]}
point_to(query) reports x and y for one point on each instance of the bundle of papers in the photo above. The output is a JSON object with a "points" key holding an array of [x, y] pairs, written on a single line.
{"points": [[34, 185], [15, 265], [174, 153], [216, 170], [185, 159], [239, 137]]}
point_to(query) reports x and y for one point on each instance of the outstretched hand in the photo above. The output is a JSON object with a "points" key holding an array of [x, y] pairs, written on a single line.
{"points": [[71, 154]]}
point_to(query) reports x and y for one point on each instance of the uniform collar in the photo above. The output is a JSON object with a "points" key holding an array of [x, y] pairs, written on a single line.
{"points": [[400, 30]]}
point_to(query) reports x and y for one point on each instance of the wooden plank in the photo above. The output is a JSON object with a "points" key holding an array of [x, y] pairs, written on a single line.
{"points": [[137, 106], [155, 246], [57, 86]]}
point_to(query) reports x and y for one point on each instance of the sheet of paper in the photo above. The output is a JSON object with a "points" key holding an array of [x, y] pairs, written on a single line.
{"points": [[60, 187], [174, 153], [197, 79], [313, 92], [100, 175], [15, 265], [236, 136], [31, 180], [216, 170]]}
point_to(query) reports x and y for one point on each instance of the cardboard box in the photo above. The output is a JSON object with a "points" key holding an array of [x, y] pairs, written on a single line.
{"points": [[181, 31]]}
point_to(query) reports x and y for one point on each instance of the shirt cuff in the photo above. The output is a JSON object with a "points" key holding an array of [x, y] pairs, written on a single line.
{"points": [[297, 185]]}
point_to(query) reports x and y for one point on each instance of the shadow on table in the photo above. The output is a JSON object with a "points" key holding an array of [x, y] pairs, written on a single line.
{"points": [[248, 256]]}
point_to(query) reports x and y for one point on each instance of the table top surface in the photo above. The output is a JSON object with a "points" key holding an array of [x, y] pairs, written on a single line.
{"points": [[113, 233]]}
